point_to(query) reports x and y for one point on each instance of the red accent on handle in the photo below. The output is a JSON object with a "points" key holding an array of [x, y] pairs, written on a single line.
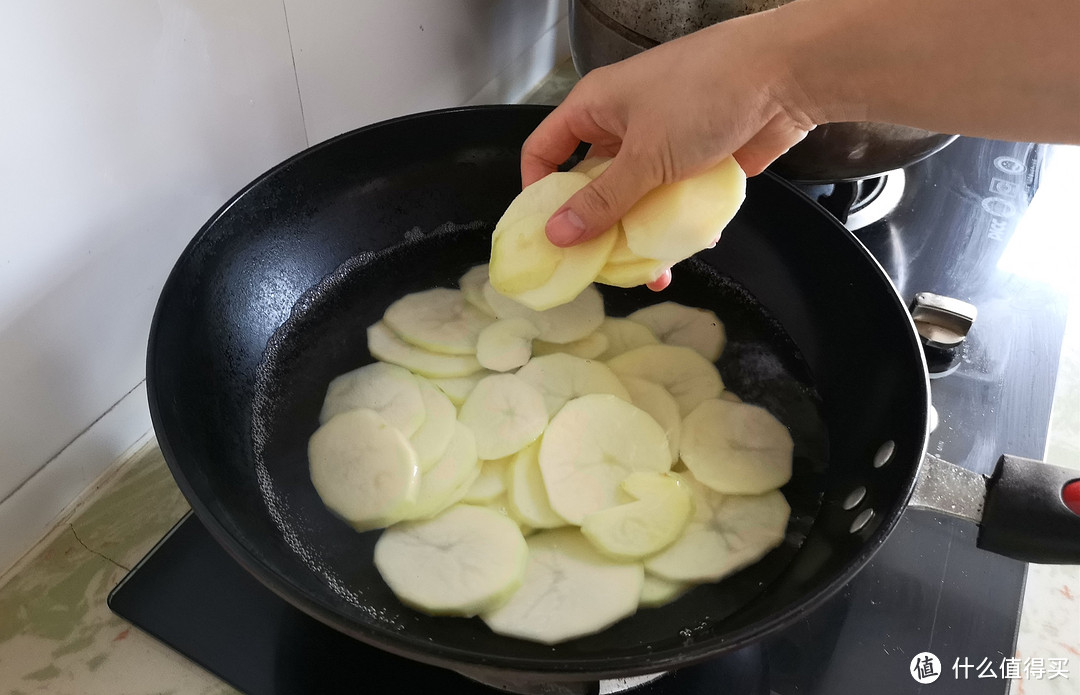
{"points": [[1070, 495]]}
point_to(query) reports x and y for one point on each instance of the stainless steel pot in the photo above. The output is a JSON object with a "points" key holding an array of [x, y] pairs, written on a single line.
{"points": [[607, 31]]}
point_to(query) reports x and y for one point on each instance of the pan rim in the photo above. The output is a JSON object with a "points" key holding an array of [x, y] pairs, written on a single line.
{"points": [[455, 658]]}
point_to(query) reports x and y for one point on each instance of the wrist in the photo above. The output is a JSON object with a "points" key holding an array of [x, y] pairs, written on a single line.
{"points": [[822, 80]]}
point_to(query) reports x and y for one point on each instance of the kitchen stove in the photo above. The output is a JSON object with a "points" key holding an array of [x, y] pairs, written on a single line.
{"points": [[860, 203], [928, 589]]}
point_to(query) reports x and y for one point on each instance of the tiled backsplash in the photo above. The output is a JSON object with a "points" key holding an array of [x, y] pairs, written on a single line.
{"points": [[125, 124]]}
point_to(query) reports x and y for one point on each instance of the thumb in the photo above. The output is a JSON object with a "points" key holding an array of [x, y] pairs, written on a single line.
{"points": [[598, 206]]}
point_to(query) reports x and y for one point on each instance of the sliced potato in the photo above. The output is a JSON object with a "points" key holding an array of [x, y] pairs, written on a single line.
{"points": [[639, 272], [506, 344], [472, 284], [575, 273], [505, 413], [562, 324], [461, 562], [591, 445], [526, 495], [528, 268], [560, 377], [592, 166], [363, 469], [624, 268], [676, 324], [569, 590], [439, 320], [522, 258], [660, 509], [498, 504], [656, 591], [450, 478], [657, 402], [388, 389], [676, 220], [620, 252], [730, 396], [727, 533], [543, 197], [599, 167], [458, 388], [490, 483], [385, 345], [687, 376], [431, 440], [736, 448], [624, 335], [590, 347]]}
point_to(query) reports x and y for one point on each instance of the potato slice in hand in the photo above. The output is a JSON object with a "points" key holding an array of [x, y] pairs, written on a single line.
{"points": [[624, 268], [528, 268], [388, 389], [461, 562], [676, 220], [522, 258], [560, 377], [727, 533], [621, 253], [658, 514], [569, 590], [505, 413], [591, 445], [639, 272], [676, 324], [562, 324], [736, 448], [592, 166], [385, 345], [506, 344], [364, 469], [687, 376], [448, 481], [439, 320]]}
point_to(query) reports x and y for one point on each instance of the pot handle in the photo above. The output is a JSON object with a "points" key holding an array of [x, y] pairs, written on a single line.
{"points": [[1027, 510], [1032, 512]]}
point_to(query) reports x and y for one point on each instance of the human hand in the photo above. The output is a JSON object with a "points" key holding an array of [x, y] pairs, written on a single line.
{"points": [[668, 114]]}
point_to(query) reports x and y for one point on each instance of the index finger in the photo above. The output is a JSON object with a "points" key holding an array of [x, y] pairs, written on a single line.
{"points": [[548, 146]]}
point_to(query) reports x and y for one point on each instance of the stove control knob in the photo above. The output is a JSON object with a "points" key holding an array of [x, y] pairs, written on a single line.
{"points": [[943, 322], [1070, 495]]}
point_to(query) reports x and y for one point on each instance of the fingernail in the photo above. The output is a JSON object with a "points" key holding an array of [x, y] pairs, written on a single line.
{"points": [[565, 228]]}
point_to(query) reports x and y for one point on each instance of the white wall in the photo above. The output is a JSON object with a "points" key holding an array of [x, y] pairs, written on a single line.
{"points": [[125, 123]]}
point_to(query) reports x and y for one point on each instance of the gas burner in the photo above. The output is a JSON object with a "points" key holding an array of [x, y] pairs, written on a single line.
{"points": [[858, 204]]}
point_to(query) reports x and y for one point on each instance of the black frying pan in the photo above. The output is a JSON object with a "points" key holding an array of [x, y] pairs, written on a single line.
{"points": [[273, 296]]}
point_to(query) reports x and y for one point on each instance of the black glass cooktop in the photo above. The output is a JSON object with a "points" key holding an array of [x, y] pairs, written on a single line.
{"points": [[947, 229]]}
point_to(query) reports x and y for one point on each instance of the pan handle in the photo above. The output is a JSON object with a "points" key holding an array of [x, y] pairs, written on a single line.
{"points": [[1028, 510], [1032, 512]]}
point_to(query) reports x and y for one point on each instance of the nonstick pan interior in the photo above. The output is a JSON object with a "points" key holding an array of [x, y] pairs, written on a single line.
{"points": [[272, 300]]}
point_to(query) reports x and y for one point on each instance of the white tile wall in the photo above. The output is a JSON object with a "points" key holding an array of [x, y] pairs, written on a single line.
{"points": [[358, 63], [125, 123]]}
